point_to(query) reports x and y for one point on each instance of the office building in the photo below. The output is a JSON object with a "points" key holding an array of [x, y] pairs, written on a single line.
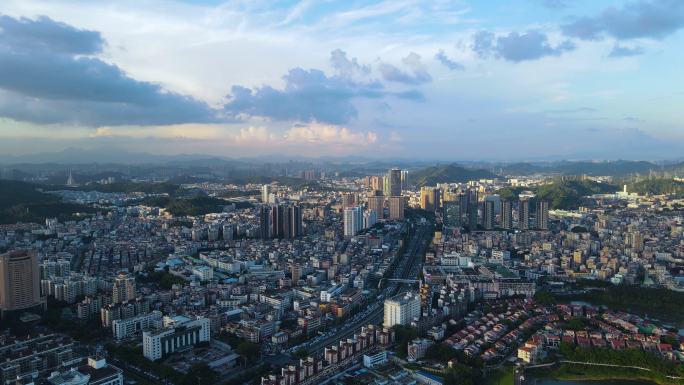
{"points": [[180, 333], [405, 181], [488, 214], [394, 182], [264, 223], [402, 309], [543, 215], [265, 192], [296, 274], [396, 207], [506, 216], [353, 220], [377, 203], [124, 288], [20, 281], [524, 215], [452, 214]]}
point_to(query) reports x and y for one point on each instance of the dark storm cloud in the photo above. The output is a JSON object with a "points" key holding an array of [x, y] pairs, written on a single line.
{"points": [[620, 51], [642, 19], [515, 47], [308, 95], [393, 74], [45, 81], [452, 65]]}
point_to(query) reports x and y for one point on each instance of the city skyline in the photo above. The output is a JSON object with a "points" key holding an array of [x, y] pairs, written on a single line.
{"points": [[566, 78]]}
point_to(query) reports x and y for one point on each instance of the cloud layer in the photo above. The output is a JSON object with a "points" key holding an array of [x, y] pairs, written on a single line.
{"points": [[515, 47], [46, 80], [642, 19]]}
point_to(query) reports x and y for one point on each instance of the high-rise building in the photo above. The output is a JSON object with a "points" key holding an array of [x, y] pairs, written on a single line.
{"points": [[353, 220], [524, 215], [394, 182], [377, 183], [292, 222], [277, 225], [376, 203], [472, 216], [506, 216], [405, 181], [429, 198], [296, 275], [349, 199], [386, 186], [401, 309], [543, 215], [497, 202], [124, 288], [396, 207], [370, 218], [228, 229], [488, 214], [19, 280], [264, 223], [452, 214], [265, 192]]}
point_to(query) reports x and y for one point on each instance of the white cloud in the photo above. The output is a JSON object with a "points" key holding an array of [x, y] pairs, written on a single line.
{"points": [[395, 137], [321, 133]]}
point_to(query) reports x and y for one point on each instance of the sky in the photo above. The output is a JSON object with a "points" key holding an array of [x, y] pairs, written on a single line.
{"points": [[515, 79]]}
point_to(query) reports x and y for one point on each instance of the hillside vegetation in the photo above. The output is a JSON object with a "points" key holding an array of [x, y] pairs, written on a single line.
{"points": [[448, 174], [20, 202], [147, 188], [198, 205], [657, 187], [561, 194]]}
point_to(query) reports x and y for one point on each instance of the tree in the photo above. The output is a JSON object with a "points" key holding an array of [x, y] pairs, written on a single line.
{"points": [[440, 352], [249, 350], [545, 298]]}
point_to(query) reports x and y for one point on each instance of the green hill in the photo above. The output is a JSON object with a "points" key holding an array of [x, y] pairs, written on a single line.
{"points": [[13, 193], [21, 202], [657, 187], [448, 174], [562, 194]]}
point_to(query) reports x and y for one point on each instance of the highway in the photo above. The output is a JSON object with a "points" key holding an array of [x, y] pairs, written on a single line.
{"points": [[407, 269]]}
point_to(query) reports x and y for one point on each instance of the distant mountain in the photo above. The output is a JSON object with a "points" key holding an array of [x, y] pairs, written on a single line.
{"points": [[111, 155], [448, 174]]}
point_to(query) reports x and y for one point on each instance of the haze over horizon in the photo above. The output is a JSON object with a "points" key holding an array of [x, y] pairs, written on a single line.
{"points": [[525, 79]]}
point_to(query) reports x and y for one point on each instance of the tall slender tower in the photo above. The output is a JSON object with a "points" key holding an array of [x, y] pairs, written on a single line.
{"points": [[543, 215], [394, 182], [264, 223], [488, 214], [506, 215], [405, 181], [524, 215]]}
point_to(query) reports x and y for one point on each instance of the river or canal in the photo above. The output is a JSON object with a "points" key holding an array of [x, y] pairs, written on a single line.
{"points": [[595, 382], [663, 317]]}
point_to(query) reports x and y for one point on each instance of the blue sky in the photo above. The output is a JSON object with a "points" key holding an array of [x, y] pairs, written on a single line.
{"points": [[517, 79]]}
